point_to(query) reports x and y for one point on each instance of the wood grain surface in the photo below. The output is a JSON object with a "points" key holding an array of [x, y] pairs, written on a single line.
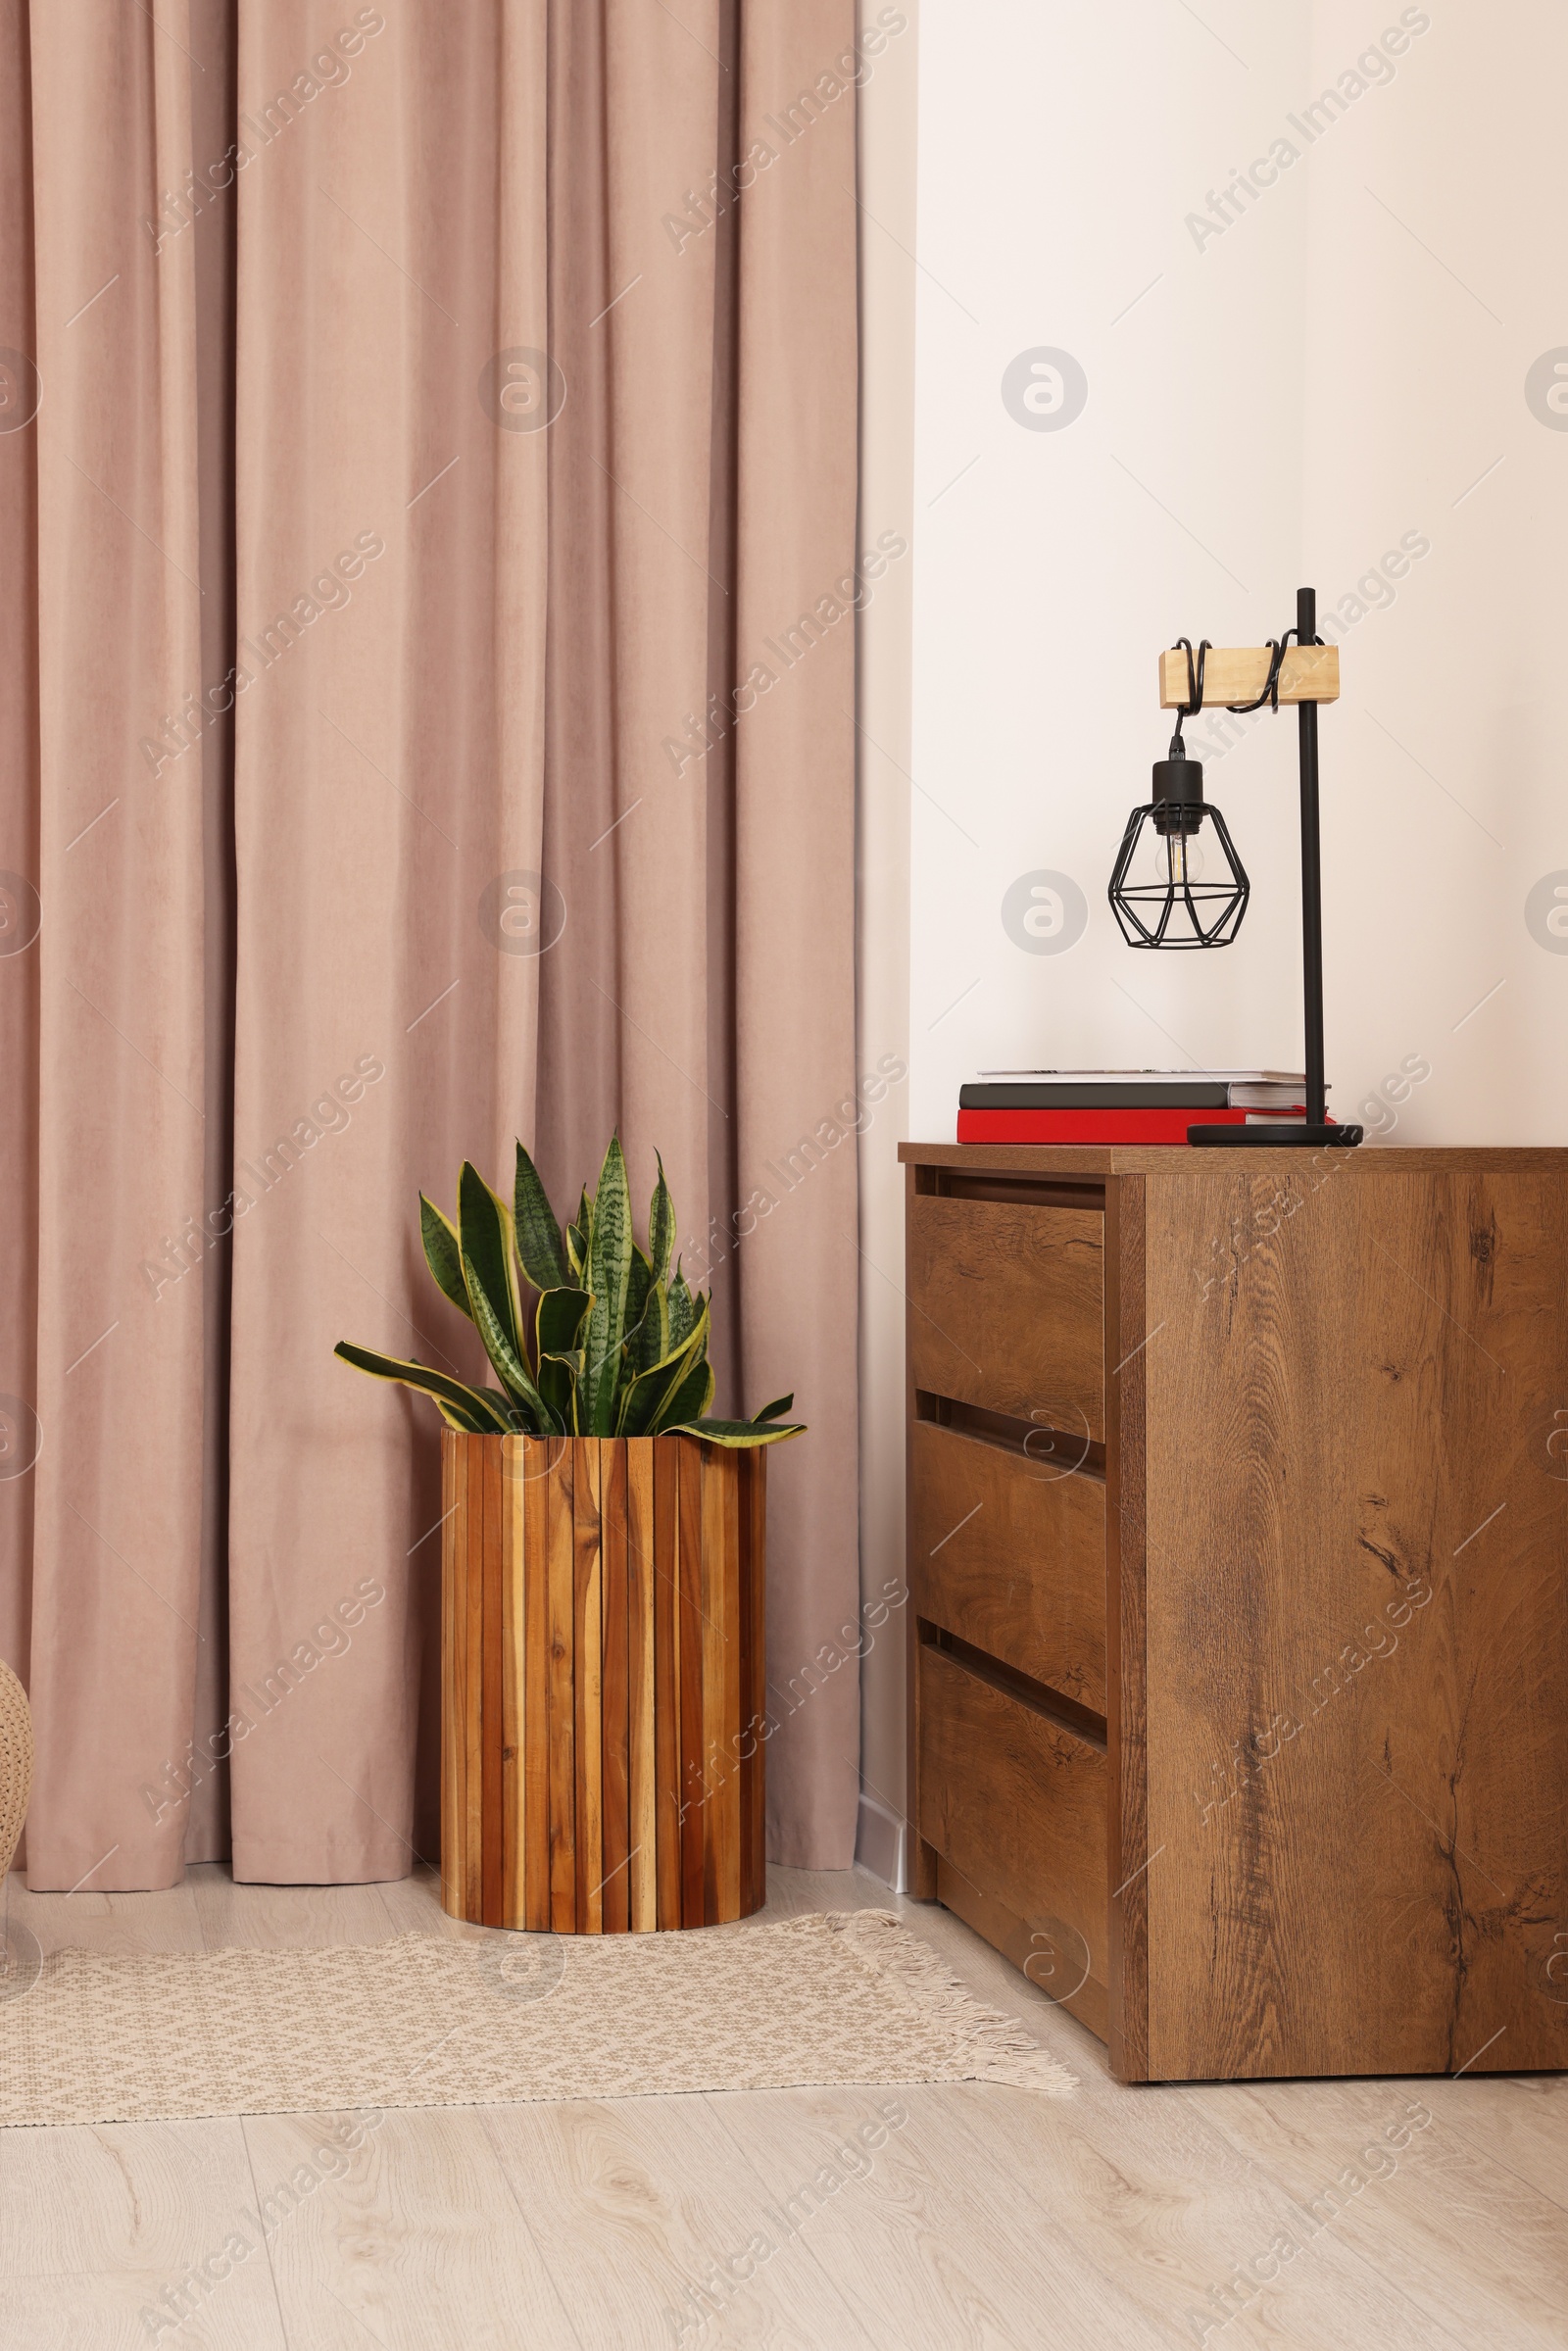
{"points": [[1006, 1308], [530, 1470], [615, 1733], [453, 1678], [1240, 673], [985, 2218], [667, 1688], [1010, 1553], [604, 1607], [513, 1689], [1052, 1963], [921, 1857], [1335, 1457], [753, 1665], [562, 1638], [588, 1682], [641, 1722], [1357, 1646], [492, 1710], [1126, 1618], [1077, 1164], [1014, 1801]]}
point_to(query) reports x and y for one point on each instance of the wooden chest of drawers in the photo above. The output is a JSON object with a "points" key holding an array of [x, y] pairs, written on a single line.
{"points": [[1238, 1523]]}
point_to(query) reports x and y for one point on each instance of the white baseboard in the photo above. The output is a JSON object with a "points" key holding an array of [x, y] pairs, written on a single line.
{"points": [[879, 1844]]}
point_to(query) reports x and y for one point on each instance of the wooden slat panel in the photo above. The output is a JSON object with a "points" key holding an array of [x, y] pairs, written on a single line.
{"points": [[1014, 1801], [492, 1680], [1240, 673], [472, 1604], [535, 1469], [754, 1702], [617, 1794], [640, 1767], [599, 1674], [453, 1491], [1358, 1647], [513, 1678], [693, 1811], [559, 1485], [666, 1672], [722, 1684], [587, 1617], [1010, 1553], [1006, 1308]]}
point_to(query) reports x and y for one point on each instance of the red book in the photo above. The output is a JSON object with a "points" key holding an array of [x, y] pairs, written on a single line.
{"points": [[1154, 1124]]}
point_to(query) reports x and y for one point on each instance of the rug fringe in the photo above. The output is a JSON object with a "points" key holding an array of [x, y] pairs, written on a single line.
{"points": [[988, 2043]]}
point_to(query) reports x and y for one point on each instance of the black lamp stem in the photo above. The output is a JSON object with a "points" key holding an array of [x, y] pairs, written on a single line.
{"points": [[1311, 876]]}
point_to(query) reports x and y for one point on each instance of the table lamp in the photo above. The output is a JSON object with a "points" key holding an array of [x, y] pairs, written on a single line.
{"points": [[1190, 906]]}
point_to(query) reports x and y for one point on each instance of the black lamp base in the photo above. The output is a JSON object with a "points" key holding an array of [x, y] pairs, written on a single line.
{"points": [[1293, 1134]]}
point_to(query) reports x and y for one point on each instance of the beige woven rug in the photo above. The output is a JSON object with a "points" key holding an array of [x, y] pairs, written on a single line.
{"points": [[16, 1763], [428, 2021]]}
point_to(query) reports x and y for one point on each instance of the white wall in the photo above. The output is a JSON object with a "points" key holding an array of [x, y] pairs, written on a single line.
{"points": [[1343, 367], [1287, 400]]}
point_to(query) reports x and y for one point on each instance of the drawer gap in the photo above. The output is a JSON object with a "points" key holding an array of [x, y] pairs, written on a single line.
{"points": [[1081, 1721], [950, 1183], [1045, 1447]]}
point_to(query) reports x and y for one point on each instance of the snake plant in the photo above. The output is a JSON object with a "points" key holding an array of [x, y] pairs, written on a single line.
{"points": [[615, 1345]]}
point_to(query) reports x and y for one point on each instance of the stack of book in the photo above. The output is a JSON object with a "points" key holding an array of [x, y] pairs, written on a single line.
{"points": [[1122, 1105]]}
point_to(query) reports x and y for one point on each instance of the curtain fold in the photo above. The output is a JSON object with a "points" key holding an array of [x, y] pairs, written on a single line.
{"points": [[121, 952], [479, 438]]}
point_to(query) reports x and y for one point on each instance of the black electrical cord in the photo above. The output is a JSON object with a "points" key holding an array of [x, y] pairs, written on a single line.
{"points": [[1195, 692], [1271, 691]]}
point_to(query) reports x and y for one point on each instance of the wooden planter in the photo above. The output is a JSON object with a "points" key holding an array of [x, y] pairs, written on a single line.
{"points": [[602, 1682]]}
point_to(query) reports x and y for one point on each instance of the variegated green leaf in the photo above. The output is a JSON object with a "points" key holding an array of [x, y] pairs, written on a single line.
{"points": [[639, 1284], [607, 1275], [558, 1320], [642, 1403], [738, 1435], [660, 1226], [558, 1326], [687, 1401], [647, 1343], [443, 1253], [682, 1309], [514, 1374], [484, 1240], [780, 1403], [482, 1410], [463, 1422], [559, 1377], [540, 1250]]}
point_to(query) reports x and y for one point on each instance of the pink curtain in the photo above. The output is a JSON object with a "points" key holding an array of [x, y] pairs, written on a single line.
{"points": [[442, 585]]}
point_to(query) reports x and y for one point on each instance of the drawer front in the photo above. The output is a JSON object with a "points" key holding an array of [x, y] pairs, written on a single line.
{"points": [[1011, 1558], [1007, 1308], [1014, 1801], [1053, 1964]]}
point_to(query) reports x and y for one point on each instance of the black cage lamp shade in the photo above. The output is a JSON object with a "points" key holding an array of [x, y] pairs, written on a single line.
{"points": [[1168, 889]]}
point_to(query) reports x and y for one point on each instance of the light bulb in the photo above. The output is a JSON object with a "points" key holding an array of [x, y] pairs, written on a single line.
{"points": [[1172, 860]]}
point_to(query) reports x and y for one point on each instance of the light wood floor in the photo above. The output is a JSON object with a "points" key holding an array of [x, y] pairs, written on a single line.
{"points": [[1117, 2218]]}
